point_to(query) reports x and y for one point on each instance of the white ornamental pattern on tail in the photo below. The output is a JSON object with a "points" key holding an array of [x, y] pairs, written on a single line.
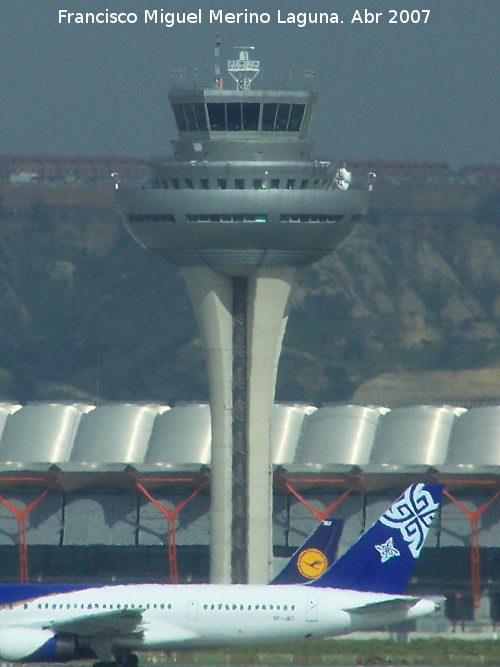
{"points": [[412, 515]]}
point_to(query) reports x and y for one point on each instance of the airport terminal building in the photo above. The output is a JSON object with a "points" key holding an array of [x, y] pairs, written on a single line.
{"points": [[121, 491]]}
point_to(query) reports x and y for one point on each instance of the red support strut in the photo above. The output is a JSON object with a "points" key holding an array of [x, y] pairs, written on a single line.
{"points": [[319, 514], [170, 515], [21, 516], [475, 559]]}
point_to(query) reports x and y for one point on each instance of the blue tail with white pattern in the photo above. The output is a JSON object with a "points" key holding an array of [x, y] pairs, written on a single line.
{"points": [[384, 557]]}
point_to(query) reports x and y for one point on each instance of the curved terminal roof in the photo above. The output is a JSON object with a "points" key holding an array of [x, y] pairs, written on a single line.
{"points": [[475, 439], [157, 435], [340, 434], [416, 435]]}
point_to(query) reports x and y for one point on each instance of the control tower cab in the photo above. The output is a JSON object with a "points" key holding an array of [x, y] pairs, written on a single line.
{"points": [[241, 206], [241, 189]]}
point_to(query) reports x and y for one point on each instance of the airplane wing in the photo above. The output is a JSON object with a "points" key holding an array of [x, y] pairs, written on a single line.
{"points": [[101, 623], [384, 606]]}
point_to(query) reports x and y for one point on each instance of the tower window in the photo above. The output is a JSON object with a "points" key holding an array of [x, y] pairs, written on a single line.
{"points": [[222, 183], [190, 118], [200, 116], [269, 116], [234, 119], [217, 116], [275, 183], [282, 117], [296, 116], [205, 185], [239, 184], [189, 183], [250, 113], [175, 184], [180, 118], [290, 184]]}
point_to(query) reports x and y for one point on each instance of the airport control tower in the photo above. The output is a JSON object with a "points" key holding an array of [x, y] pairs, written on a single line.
{"points": [[241, 206]]}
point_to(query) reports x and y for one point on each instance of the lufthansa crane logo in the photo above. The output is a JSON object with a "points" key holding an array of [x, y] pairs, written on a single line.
{"points": [[312, 563]]}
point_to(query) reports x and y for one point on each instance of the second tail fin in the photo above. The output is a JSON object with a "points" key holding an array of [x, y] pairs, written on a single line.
{"points": [[384, 557], [316, 554]]}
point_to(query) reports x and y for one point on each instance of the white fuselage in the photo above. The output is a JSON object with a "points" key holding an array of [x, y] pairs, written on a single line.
{"points": [[199, 616]]}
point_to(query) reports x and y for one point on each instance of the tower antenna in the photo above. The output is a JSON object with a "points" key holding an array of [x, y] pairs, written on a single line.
{"points": [[243, 70], [219, 81]]}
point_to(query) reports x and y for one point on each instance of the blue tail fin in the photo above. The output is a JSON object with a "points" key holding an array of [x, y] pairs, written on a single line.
{"points": [[384, 557], [314, 556]]}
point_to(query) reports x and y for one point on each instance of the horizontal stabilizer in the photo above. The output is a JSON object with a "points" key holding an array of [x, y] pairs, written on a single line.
{"points": [[384, 606]]}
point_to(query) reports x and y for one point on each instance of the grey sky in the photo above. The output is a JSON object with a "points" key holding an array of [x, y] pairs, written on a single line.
{"points": [[416, 91]]}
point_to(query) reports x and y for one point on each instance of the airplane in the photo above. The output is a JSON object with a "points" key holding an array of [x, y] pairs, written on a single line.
{"points": [[362, 590], [313, 558]]}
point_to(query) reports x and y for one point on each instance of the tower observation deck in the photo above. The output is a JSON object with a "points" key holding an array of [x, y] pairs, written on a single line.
{"points": [[241, 206]]}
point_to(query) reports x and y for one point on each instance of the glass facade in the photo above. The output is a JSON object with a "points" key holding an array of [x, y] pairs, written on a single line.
{"points": [[242, 116]]}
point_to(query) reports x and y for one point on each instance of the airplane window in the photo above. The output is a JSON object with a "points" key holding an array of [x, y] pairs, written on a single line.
{"points": [[256, 606], [285, 607], [242, 607], [118, 606], [39, 606], [162, 606], [54, 606], [169, 606], [25, 605], [227, 607], [68, 606], [292, 607], [89, 606], [235, 606]]}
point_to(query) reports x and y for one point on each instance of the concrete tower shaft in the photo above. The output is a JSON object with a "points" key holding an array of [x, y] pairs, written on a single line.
{"points": [[241, 206]]}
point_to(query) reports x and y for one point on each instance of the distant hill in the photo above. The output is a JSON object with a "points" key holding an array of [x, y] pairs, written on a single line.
{"points": [[86, 314]]}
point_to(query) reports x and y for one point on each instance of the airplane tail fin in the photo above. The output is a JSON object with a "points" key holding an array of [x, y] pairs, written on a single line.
{"points": [[314, 557], [384, 557]]}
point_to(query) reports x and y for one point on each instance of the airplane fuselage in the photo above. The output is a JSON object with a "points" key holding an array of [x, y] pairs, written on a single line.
{"points": [[196, 616]]}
